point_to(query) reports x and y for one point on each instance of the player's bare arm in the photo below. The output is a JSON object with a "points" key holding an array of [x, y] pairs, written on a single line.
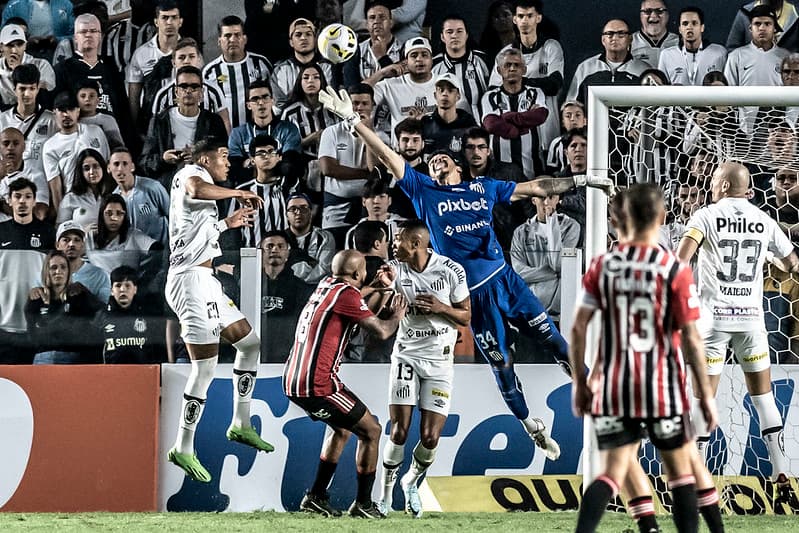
{"points": [[547, 186], [341, 105], [202, 190], [459, 313], [334, 169], [694, 353], [384, 329], [687, 248], [581, 394], [789, 263]]}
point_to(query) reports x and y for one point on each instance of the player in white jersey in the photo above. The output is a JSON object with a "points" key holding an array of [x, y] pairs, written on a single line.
{"points": [[734, 239], [205, 312], [421, 368]]}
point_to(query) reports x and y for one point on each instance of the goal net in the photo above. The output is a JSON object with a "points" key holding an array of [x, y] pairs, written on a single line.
{"points": [[675, 137]]}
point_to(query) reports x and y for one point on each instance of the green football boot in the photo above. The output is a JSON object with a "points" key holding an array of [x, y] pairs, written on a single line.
{"points": [[250, 437], [190, 464]]}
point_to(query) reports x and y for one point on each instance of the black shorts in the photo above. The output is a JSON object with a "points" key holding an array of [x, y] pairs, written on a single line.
{"points": [[342, 409], [667, 433]]}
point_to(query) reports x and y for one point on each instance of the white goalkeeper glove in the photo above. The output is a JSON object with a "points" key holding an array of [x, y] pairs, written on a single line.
{"points": [[340, 105], [598, 182]]}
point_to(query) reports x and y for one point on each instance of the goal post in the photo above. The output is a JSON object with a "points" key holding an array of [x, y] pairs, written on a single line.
{"points": [[607, 107]]}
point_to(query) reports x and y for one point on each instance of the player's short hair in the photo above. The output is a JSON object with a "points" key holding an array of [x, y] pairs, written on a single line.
{"points": [[264, 140], [86, 83], [413, 224], [121, 150], [166, 5], [361, 88], [455, 16], [230, 20], [186, 42], [26, 73], [374, 186], [572, 134], [644, 205], [411, 126], [259, 84], [20, 184], [366, 233], [693, 9], [504, 54], [207, 146], [188, 69], [538, 5], [476, 133], [369, 4], [124, 273], [275, 233]]}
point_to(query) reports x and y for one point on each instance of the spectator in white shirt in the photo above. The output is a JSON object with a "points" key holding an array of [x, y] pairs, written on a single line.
{"points": [[689, 62], [14, 42]]}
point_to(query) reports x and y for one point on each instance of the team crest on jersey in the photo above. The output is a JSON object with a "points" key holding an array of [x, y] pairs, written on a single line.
{"points": [[222, 78], [421, 101], [36, 241], [476, 186], [455, 144], [543, 68], [140, 325], [95, 144]]}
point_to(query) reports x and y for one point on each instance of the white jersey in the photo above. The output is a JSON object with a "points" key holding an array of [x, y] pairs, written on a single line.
{"points": [[143, 60], [193, 230], [395, 98], [36, 129], [645, 49], [750, 65], [338, 143], [60, 152], [733, 237], [46, 74], [429, 336], [684, 67]]}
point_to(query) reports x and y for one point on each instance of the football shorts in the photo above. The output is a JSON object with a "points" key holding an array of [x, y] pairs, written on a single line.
{"points": [[342, 409], [667, 433], [749, 347], [422, 382]]}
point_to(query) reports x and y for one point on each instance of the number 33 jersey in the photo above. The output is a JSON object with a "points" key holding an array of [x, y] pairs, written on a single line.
{"points": [[733, 237]]}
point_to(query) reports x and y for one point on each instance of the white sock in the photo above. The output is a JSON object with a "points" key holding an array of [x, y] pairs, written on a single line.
{"points": [[422, 459], [245, 369], [771, 430], [393, 455], [202, 373]]}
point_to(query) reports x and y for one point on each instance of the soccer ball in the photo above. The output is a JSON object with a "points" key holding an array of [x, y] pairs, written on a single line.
{"points": [[337, 43]]}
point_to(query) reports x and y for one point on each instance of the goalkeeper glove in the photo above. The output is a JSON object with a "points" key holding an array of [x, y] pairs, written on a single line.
{"points": [[340, 105], [598, 182]]}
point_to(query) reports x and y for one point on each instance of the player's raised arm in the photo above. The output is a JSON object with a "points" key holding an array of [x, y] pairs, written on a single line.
{"points": [[547, 186], [341, 105]]}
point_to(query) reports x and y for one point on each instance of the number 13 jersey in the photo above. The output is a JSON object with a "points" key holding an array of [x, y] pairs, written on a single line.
{"points": [[733, 237]]}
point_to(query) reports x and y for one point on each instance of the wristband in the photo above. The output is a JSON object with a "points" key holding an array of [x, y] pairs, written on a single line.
{"points": [[221, 226]]}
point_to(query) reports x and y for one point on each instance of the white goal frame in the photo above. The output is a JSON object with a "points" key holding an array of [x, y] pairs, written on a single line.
{"points": [[600, 98]]}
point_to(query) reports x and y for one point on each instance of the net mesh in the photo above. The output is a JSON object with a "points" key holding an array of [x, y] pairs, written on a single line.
{"points": [[678, 147]]}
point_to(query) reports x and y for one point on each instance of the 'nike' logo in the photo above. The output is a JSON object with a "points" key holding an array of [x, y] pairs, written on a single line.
{"points": [[747, 67], [5, 244]]}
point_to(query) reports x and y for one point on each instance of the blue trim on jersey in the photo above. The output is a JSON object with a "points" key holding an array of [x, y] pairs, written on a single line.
{"points": [[460, 221]]}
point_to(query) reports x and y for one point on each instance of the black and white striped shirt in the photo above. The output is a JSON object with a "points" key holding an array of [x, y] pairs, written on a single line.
{"points": [[285, 76], [473, 72], [123, 38], [525, 149], [213, 99], [234, 78], [272, 216], [308, 121]]}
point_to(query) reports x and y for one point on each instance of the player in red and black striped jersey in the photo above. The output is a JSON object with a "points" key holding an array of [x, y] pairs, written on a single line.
{"points": [[310, 378], [649, 307]]}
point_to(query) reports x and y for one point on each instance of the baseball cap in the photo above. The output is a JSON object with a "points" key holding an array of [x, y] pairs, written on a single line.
{"points": [[65, 100], [416, 42], [66, 227], [11, 33], [450, 78], [301, 22], [763, 10]]}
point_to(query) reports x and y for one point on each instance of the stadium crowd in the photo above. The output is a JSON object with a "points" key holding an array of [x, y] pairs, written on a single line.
{"points": [[103, 101]]}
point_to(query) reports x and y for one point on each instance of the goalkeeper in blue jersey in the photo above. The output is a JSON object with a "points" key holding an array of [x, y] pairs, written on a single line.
{"points": [[458, 215]]}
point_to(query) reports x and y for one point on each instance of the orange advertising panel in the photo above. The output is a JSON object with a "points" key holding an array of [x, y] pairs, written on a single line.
{"points": [[79, 438]]}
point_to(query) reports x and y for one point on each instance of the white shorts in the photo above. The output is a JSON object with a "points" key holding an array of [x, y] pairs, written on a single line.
{"points": [[201, 305], [750, 349], [422, 382]]}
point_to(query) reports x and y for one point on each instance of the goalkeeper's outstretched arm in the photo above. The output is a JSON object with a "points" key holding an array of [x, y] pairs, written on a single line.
{"points": [[547, 186], [341, 105]]}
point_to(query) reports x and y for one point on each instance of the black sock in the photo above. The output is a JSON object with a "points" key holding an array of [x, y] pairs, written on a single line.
{"points": [[323, 476], [710, 511], [648, 524], [595, 500], [684, 511], [365, 484]]}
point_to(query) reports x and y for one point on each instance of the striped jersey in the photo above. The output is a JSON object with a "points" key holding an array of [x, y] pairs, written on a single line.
{"points": [[272, 216], [733, 237], [308, 121], [234, 78], [123, 38], [213, 99], [285, 76], [471, 70], [645, 296], [323, 331], [526, 148]]}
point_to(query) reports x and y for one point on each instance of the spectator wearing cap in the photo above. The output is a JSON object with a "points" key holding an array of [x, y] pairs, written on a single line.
{"points": [[70, 239], [88, 99], [147, 200], [458, 58], [378, 57], [444, 127], [36, 123], [12, 150], [60, 151], [312, 248], [25, 240], [543, 60], [512, 113], [49, 21], [14, 42], [168, 22], [741, 33], [345, 165], [175, 130], [272, 185], [409, 95], [302, 38]]}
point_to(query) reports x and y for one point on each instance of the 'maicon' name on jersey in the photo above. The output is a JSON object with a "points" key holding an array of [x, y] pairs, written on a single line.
{"points": [[450, 206], [739, 225], [735, 291]]}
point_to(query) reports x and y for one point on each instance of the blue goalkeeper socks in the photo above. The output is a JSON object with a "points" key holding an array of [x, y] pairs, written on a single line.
{"points": [[511, 389]]}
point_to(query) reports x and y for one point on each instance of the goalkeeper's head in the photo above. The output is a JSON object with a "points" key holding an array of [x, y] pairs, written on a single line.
{"points": [[446, 167]]}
